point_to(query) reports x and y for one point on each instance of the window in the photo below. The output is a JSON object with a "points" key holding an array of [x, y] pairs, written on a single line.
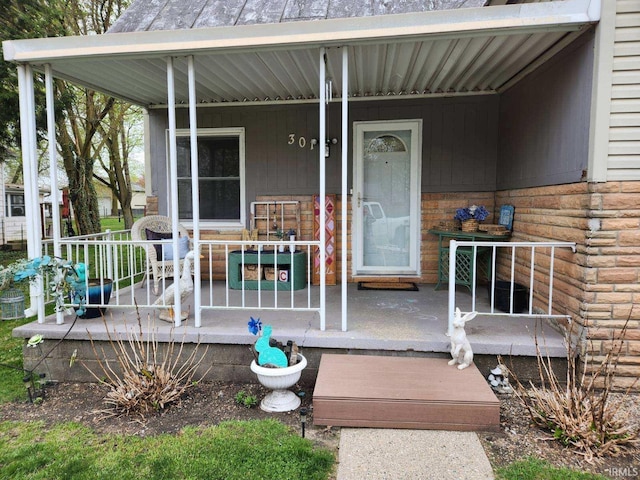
{"points": [[220, 176], [15, 205]]}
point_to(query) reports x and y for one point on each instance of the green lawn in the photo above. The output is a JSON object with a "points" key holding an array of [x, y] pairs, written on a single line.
{"points": [[536, 469], [112, 223], [247, 450]]}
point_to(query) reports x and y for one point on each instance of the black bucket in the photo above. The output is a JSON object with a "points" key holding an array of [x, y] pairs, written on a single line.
{"points": [[503, 291]]}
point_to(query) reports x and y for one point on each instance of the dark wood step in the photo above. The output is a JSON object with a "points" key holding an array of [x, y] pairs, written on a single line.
{"points": [[402, 392]]}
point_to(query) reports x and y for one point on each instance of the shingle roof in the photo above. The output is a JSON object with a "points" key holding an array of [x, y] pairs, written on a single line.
{"points": [[143, 15]]}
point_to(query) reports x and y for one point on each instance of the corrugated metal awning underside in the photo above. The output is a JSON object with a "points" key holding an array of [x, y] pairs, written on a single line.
{"points": [[454, 61]]}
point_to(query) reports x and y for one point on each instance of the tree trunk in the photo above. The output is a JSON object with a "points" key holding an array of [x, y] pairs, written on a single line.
{"points": [[83, 197], [75, 136]]}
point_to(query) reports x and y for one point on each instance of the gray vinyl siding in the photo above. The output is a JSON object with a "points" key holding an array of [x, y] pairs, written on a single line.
{"points": [[544, 122], [623, 161], [459, 144]]}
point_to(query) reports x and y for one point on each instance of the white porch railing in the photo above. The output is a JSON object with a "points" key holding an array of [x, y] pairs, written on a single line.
{"points": [[224, 282], [508, 255]]}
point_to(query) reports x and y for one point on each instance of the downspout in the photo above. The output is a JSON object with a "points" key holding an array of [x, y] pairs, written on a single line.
{"points": [[53, 170], [195, 196], [29, 164], [322, 200], [345, 143], [173, 175]]}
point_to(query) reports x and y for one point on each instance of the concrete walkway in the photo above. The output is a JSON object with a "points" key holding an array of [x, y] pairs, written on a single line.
{"points": [[388, 454]]}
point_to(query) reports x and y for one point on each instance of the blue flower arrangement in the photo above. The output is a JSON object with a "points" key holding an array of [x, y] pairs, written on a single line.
{"points": [[473, 212]]}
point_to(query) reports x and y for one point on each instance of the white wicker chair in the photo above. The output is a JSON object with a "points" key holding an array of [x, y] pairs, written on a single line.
{"points": [[159, 269]]}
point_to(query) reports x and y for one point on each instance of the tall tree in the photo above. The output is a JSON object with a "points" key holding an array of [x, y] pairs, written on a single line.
{"points": [[22, 19], [79, 112], [79, 129], [119, 141]]}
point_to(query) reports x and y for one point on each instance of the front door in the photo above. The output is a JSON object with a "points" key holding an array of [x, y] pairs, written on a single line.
{"points": [[386, 198]]}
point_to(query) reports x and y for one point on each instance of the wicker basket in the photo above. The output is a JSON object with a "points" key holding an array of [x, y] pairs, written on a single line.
{"points": [[252, 272], [470, 225], [269, 273], [494, 229], [448, 226]]}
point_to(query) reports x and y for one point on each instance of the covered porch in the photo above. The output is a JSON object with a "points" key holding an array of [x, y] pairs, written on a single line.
{"points": [[435, 54]]}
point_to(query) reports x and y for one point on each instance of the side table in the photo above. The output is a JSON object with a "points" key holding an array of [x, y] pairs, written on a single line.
{"points": [[465, 261]]}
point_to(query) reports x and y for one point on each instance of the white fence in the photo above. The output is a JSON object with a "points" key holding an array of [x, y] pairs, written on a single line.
{"points": [[233, 275], [519, 262]]}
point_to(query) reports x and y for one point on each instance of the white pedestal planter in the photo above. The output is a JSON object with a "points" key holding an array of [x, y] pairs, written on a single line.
{"points": [[279, 380]]}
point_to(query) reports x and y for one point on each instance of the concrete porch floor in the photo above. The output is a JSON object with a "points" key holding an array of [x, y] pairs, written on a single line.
{"points": [[387, 321]]}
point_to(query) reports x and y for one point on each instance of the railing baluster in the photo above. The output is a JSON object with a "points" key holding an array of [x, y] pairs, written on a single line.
{"points": [[512, 258]]}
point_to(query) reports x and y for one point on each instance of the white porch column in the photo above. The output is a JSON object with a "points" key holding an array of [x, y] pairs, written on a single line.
{"points": [[53, 169], [195, 197], [323, 210], [30, 174], [344, 192], [173, 183]]}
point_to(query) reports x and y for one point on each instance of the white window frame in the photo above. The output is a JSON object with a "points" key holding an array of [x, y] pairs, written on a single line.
{"points": [[9, 204], [217, 132]]}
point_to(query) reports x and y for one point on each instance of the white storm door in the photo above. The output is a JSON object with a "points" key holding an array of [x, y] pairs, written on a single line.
{"points": [[386, 198]]}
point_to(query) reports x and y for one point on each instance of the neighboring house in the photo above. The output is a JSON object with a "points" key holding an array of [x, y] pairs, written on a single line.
{"points": [[105, 200], [13, 223], [530, 104]]}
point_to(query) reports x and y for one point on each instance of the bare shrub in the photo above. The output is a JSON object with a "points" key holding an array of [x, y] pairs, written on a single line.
{"points": [[581, 412], [147, 377]]}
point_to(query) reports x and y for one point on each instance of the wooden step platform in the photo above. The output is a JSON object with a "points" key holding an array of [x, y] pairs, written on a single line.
{"points": [[402, 392]]}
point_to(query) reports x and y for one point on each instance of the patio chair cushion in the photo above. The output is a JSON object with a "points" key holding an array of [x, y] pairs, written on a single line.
{"points": [[183, 245]]}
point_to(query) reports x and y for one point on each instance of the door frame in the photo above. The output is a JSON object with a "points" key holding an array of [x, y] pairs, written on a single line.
{"points": [[357, 244]]}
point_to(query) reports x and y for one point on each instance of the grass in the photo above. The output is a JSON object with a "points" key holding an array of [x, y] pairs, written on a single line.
{"points": [[11, 374], [112, 223], [536, 469], [246, 450]]}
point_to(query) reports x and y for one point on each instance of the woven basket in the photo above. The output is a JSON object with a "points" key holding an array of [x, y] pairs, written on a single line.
{"points": [[470, 225], [269, 273], [252, 272], [448, 226]]}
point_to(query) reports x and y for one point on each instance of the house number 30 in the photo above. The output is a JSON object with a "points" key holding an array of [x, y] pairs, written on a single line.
{"points": [[301, 141]]}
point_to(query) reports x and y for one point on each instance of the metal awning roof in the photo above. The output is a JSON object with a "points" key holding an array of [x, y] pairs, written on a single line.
{"points": [[476, 50]]}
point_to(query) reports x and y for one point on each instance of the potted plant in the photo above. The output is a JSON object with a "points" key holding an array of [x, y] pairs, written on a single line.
{"points": [[291, 233], [470, 217], [67, 283], [11, 297], [276, 368], [280, 234]]}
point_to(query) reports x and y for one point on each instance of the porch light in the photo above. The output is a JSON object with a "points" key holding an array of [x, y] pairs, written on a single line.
{"points": [[303, 419], [329, 141]]}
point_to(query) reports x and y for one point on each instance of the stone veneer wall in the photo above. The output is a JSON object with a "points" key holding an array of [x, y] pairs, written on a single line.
{"points": [[599, 285]]}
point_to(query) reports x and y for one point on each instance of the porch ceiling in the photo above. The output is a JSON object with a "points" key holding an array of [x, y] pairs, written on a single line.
{"points": [[478, 51]]}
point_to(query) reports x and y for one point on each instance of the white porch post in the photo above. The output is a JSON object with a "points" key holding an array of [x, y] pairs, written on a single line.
{"points": [[53, 169], [195, 197], [345, 143], [173, 182], [453, 253], [323, 210], [29, 169]]}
